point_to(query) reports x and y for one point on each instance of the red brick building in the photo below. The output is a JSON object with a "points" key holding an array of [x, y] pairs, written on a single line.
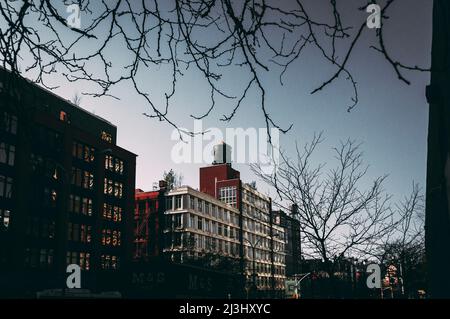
{"points": [[148, 223]]}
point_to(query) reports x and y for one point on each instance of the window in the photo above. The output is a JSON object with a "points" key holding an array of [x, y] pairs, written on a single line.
{"points": [[191, 221], [111, 237], [107, 137], [5, 186], [228, 195], [200, 223], [50, 197], [113, 188], [86, 231], [8, 123], [86, 206], [83, 152], [63, 116], [82, 178], [110, 262], [178, 202], [114, 164], [7, 154], [112, 212], [39, 258], [5, 219], [192, 200], [85, 260], [169, 203], [200, 205], [178, 221]]}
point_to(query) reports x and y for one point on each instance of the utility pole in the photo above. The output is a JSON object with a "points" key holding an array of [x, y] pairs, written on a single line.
{"points": [[437, 222]]}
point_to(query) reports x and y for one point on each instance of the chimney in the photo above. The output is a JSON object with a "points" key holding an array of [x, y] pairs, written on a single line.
{"points": [[294, 210], [162, 184]]}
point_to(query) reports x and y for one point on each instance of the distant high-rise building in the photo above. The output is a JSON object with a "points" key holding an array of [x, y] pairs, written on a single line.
{"points": [[66, 192], [291, 227]]}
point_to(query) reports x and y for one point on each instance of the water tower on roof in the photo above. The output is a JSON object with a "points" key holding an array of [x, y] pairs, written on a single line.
{"points": [[222, 154]]}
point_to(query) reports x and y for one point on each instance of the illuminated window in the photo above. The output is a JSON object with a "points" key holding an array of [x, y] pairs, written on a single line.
{"points": [[5, 219], [63, 116], [113, 188], [86, 206], [82, 178], [106, 137], [110, 262], [112, 212]]}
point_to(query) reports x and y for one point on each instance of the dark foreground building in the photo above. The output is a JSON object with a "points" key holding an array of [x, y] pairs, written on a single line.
{"points": [[66, 193], [437, 224]]}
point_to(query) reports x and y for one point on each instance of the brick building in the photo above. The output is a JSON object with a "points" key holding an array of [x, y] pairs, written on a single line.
{"points": [[66, 192]]}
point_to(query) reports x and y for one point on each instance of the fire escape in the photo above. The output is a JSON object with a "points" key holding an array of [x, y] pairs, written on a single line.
{"points": [[141, 231]]}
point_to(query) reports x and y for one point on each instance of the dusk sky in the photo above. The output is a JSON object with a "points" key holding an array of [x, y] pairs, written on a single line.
{"points": [[390, 119]]}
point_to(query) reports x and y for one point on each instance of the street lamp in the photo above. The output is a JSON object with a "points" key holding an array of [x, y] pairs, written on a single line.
{"points": [[298, 283]]}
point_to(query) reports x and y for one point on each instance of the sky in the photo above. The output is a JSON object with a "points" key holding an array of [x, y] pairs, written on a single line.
{"points": [[390, 119]]}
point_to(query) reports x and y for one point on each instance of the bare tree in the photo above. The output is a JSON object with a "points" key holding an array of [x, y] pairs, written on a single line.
{"points": [[404, 247], [77, 99], [212, 37], [338, 218], [172, 179]]}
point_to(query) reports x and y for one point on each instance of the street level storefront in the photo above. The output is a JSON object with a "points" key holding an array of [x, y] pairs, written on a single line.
{"points": [[162, 279]]}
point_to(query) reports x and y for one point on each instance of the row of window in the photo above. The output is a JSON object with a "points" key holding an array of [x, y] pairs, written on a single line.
{"points": [[213, 244], [83, 152], [6, 186], [82, 178], [255, 200], [7, 154], [111, 237], [39, 258], [40, 227], [114, 164], [110, 262], [255, 226], [255, 212], [261, 254], [44, 166], [203, 224], [80, 205], [112, 212], [79, 232], [200, 242], [113, 188], [82, 259], [201, 206]]}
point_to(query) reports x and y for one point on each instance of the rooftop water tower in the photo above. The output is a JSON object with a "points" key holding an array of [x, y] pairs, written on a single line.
{"points": [[222, 154]]}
